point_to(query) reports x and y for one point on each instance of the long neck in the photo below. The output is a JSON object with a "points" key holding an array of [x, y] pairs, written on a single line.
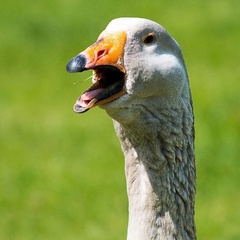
{"points": [[160, 174]]}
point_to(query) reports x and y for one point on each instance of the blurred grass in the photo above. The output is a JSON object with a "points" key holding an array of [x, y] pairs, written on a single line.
{"points": [[61, 174]]}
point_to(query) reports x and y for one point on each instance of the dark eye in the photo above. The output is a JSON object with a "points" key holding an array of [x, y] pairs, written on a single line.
{"points": [[150, 38]]}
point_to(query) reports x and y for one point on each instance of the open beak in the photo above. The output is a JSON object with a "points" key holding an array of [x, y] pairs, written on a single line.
{"points": [[105, 58]]}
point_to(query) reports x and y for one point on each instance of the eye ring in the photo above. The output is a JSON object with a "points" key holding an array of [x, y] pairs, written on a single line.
{"points": [[149, 39]]}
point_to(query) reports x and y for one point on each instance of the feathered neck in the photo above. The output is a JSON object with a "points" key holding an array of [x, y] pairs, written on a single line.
{"points": [[160, 173]]}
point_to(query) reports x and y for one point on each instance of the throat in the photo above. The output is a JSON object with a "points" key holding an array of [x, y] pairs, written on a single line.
{"points": [[160, 176], [149, 214], [150, 200]]}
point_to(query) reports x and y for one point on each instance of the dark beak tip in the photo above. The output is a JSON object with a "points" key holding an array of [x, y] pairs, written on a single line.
{"points": [[68, 67], [79, 109], [77, 64]]}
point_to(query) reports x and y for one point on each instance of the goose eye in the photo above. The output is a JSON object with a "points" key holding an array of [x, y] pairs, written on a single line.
{"points": [[150, 38]]}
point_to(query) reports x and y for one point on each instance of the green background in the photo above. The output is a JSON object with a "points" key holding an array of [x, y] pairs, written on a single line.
{"points": [[62, 174]]}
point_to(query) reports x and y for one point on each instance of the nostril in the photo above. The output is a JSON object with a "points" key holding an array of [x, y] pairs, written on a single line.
{"points": [[101, 53]]}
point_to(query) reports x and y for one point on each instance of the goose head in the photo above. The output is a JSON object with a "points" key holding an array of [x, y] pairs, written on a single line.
{"points": [[135, 62]]}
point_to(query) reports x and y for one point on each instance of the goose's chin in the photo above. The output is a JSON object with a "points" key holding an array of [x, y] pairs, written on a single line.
{"points": [[122, 109]]}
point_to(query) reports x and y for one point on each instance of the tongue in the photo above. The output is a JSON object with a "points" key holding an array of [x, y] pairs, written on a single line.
{"points": [[88, 96]]}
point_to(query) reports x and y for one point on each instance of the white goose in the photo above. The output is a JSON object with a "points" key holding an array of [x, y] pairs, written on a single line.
{"points": [[140, 79]]}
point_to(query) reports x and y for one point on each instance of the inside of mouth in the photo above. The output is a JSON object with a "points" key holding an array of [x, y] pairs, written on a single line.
{"points": [[108, 82]]}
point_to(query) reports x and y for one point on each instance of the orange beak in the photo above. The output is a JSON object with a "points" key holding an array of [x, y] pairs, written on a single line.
{"points": [[105, 57]]}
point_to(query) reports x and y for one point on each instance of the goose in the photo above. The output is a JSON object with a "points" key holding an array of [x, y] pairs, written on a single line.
{"points": [[140, 80]]}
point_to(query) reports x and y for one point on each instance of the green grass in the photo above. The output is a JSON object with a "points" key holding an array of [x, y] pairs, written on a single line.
{"points": [[62, 174]]}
